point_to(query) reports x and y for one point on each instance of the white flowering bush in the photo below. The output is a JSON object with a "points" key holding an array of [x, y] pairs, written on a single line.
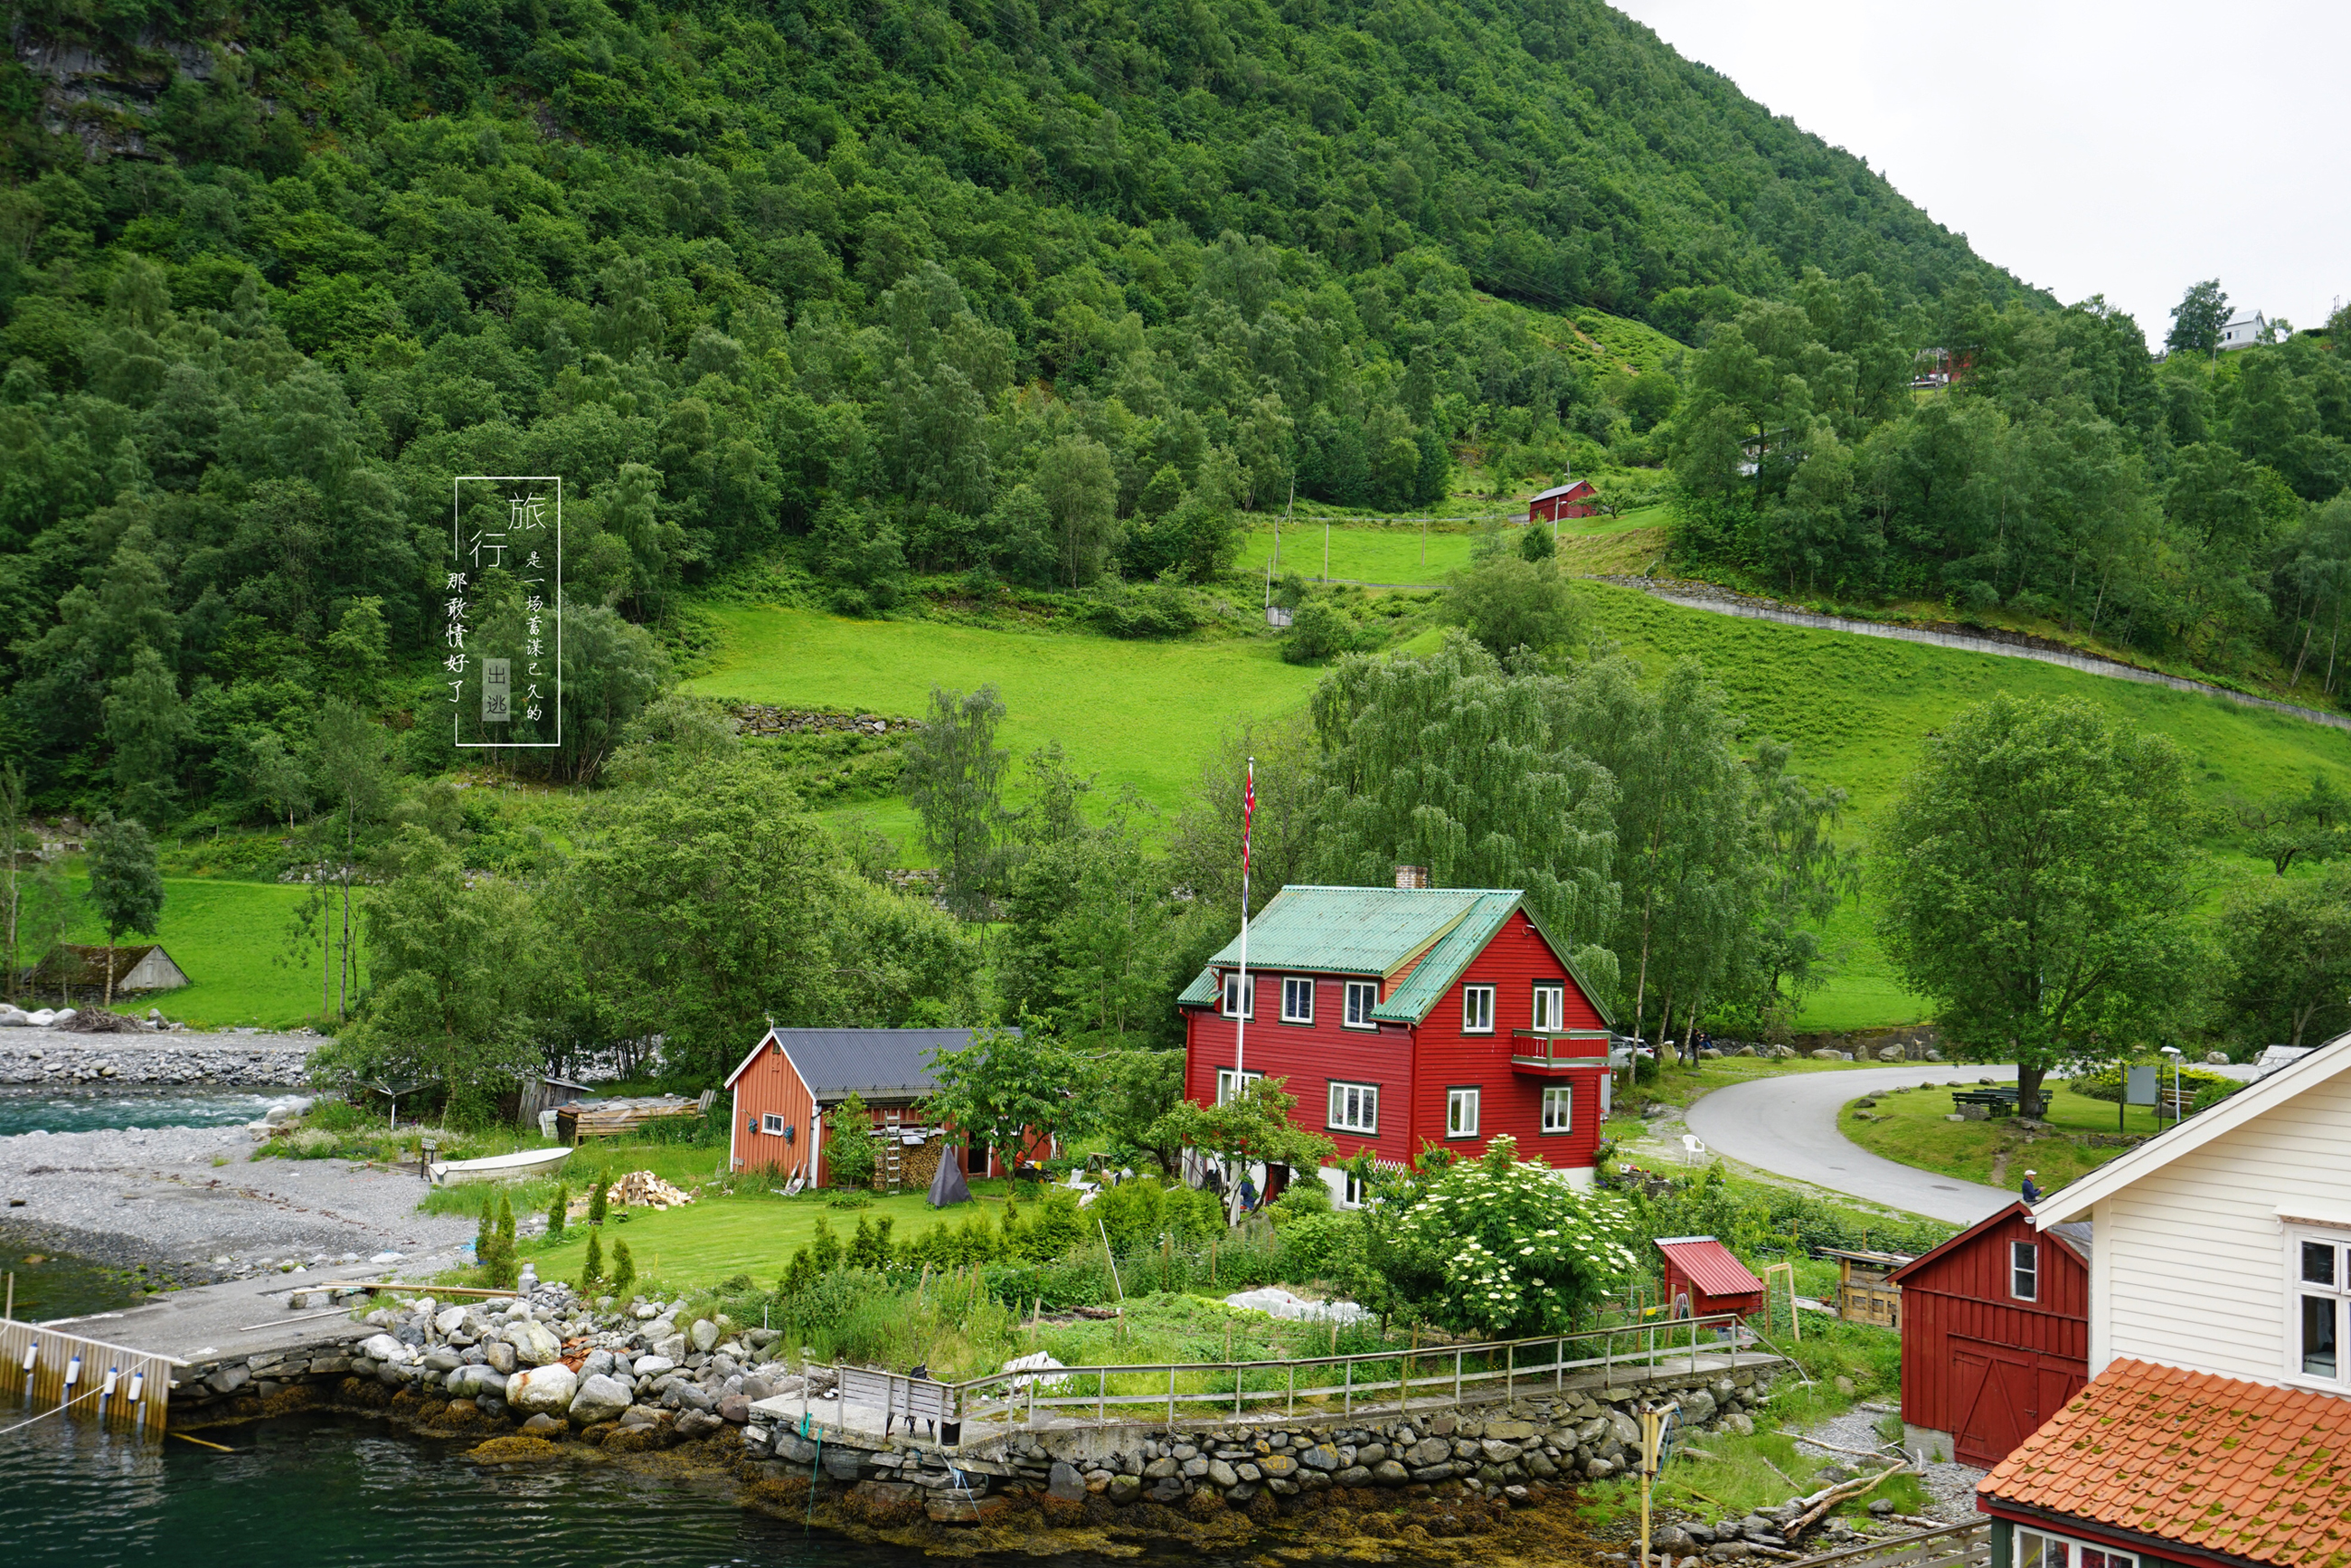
{"points": [[1502, 1248]]}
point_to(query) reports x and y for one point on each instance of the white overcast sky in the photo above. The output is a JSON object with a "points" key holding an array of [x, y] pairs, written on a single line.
{"points": [[2108, 148]]}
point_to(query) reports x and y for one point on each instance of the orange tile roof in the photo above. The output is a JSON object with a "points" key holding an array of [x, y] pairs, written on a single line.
{"points": [[2238, 1468]]}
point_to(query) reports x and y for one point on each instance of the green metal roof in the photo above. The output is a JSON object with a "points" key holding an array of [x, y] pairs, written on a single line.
{"points": [[1428, 983], [1375, 931]]}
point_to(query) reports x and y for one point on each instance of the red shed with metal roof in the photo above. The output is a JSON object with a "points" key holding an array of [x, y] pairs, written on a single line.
{"points": [[1708, 1276]]}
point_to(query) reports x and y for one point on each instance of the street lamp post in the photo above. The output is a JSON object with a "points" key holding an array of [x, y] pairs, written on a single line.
{"points": [[2173, 1052]]}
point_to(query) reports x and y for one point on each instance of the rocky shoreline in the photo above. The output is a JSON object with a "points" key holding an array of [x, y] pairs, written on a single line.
{"points": [[228, 1059]]}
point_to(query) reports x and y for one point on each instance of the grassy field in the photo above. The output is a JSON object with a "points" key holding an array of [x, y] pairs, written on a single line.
{"points": [[1913, 1127], [228, 936], [1409, 554]]}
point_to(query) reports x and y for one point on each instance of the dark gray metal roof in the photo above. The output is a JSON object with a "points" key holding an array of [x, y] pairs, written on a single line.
{"points": [[877, 1064], [2075, 1234]]}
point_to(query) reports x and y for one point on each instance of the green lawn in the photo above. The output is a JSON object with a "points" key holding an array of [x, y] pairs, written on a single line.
{"points": [[1403, 553], [228, 936], [1916, 1131], [1860, 991], [1135, 712]]}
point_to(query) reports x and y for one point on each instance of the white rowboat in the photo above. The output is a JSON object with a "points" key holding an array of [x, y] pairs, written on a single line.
{"points": [[519, 1166]]}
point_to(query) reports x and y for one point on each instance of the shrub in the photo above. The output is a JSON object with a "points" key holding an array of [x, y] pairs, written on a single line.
{"points": [[870, 1247], [1326, 1246], [591, 1268], [625, 1268], [848, 1146], [1302, 1197], [825, 1248], [2106, 1083], [599, 1198], [559, 1209], [1319, 631]]}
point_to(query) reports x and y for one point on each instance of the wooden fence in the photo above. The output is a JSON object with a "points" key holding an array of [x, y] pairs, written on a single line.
{"points": [[1373, 1380], [124, 1387], [1955, 1546]]}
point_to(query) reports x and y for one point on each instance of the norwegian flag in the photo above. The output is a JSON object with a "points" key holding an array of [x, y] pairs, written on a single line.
{"points": [[1248, 810]]}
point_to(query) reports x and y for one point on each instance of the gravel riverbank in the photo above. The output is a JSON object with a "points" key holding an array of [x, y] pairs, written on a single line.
{"points": [[195, 1203], [52, 1056]]}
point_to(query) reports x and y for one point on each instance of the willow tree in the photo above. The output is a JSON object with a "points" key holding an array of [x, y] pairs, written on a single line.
{"points": [[1445, 761], [2035, 875]]}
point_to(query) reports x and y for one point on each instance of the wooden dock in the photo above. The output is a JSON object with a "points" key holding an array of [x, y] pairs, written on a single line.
{"points": [[127, 1389]]}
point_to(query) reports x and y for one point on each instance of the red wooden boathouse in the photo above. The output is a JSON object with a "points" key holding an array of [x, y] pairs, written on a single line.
{"points": [[1995, 1333]]}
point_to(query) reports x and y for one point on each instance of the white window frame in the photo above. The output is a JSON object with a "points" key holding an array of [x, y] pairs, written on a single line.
{"points": [[772, 1124], [1233, 991], [1225, 1081], [2298, 1290], [2040, 1549], [1366, 1120], [1293, 984], [1477, 1009], [1550, 1006], [2024, 1268], [1351, 1196], [1563, 1096], [1363, 996], [1456, 1126]]}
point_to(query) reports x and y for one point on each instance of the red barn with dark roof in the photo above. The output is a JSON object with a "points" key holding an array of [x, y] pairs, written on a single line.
{"points": [[1995, 1333], [1405, 1015], [1708, 1276], [1575, 499]]}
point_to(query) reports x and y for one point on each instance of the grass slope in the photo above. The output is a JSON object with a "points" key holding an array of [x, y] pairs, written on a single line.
{"points": [[227, 937], [1408, 555], [1913, 1127]]}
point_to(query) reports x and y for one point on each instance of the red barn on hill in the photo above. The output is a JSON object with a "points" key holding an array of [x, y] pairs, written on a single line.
{"points": [[1403, 1014], [1576, 498], [1702, 1276], [1995, 1334]]}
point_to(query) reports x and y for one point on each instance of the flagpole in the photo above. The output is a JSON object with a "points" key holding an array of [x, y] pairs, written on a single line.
{"points": [[1241, 1008]]}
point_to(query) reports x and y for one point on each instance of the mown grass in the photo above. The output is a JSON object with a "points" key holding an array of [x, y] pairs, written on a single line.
{"points": [[1410, 554], [1914, 1128], [230, 938]]}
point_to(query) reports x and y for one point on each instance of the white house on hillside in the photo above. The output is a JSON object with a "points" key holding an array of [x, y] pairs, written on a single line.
{"points": [[2245, 328]]}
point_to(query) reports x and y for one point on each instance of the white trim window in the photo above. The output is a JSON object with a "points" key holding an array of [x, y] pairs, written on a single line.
{"points": [[1232, 1005], [1297, 998], [1363, 996], [1551, 1006], [2024, 1271], [1354, 1108], [1461, 1113], [1558, 1108], [1225, 1083], [2035, 1549], [772, 1125], [2318, 1269], [1477, 1009]]}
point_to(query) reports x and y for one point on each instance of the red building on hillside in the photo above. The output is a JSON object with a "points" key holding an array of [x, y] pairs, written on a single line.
{"points": [[1575, 498], [1408, 1014], [1995, 1333], [1703, 1277]]}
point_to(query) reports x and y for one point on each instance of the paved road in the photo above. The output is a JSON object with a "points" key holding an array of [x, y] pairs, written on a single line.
{"points": [[1787, 1125]]}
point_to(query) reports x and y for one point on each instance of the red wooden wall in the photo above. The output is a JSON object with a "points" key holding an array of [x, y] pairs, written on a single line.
{"points": [[769, 1085], [1977, 1363], [1310, 1056]]}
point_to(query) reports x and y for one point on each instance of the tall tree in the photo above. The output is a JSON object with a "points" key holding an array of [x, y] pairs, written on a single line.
{"points": [[2288, 946], [126, 884], [955, 780], [32, 894], [145, 722], [2035, 878], [353, 766], [2197, 319], [1005, 1086]]}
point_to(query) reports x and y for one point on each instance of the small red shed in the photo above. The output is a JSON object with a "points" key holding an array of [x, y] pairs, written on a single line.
{"points": [[1704, 1277], [1995, 1334], [1575, 498]]}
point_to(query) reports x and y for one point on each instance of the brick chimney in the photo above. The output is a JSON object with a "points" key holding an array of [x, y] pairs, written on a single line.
{"points": [[1412, 876]]}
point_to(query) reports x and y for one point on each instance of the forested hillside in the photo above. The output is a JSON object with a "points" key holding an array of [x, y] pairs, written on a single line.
{"points": [[1044, 295]]}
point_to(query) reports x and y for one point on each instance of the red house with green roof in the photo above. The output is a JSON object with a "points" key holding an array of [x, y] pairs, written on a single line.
{"points": [[1407, 1016]]}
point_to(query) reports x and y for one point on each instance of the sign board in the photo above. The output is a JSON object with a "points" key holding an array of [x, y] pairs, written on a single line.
{"points": [[502, 610], [2140, 1084]]}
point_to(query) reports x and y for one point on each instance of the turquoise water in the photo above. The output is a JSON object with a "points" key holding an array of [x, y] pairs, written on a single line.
{"points": [[319, 1491], [47, 1111]]}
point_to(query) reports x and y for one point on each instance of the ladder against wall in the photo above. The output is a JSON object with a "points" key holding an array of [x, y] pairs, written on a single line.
{"points": [[893, 1153]]}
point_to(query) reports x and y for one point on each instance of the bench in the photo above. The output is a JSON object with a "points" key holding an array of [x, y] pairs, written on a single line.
{"points": [[913, 1398], [2000, 1102]]}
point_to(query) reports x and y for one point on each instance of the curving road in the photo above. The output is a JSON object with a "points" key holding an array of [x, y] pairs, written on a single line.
{"points": [[1788, 1125]]}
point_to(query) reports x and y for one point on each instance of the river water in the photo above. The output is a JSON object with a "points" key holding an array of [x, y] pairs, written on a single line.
{"points": [[47, 1111], [322, 1491]]}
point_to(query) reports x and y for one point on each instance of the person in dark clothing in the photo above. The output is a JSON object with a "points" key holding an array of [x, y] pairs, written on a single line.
{"points": [[2032, 1189], [1248, 1195]]}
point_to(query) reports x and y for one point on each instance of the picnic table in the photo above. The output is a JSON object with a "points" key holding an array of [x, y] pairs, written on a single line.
{"points": [[1999, 1099]]}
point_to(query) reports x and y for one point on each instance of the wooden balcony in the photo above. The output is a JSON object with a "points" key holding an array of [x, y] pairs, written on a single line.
{"points": [[1540, 1055]]}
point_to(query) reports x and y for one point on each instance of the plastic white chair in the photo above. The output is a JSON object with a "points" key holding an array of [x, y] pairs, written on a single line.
{"points": [[1691, 1148]]}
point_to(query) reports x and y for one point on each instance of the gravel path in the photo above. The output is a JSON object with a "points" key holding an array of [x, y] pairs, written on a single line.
{"points": [[193, 1197]]}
